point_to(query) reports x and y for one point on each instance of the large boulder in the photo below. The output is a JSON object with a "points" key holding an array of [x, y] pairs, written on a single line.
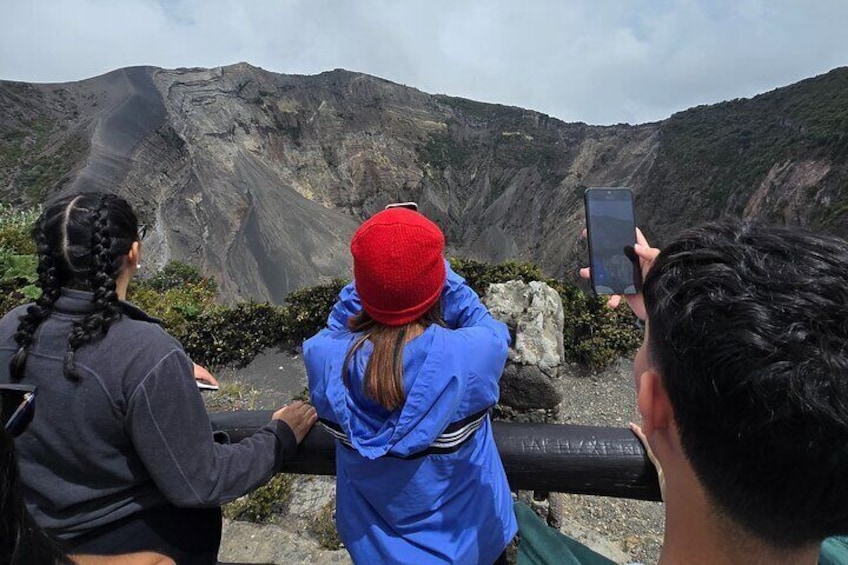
{"points": [[533, 312], [526, 387]]}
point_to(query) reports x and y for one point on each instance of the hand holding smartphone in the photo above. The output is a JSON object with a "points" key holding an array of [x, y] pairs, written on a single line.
{"points": [[611, 230]]}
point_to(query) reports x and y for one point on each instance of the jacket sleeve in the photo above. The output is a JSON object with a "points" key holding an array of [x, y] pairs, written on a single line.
{"points": [[171, 432], [462, 307], [479, 332], [346, 306]]}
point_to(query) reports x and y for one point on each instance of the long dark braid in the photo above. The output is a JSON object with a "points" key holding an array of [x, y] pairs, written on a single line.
{"points": [[105, 269], [82, 240], [48, 280]]}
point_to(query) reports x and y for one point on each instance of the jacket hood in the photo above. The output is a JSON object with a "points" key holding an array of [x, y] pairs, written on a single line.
{"points": [[433, 395]]}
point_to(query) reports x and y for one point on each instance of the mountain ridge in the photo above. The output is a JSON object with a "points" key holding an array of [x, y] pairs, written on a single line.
{"points": [[260, 178]]}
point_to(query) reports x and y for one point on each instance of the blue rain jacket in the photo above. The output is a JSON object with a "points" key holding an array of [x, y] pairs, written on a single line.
{"points": [[396, 500]]}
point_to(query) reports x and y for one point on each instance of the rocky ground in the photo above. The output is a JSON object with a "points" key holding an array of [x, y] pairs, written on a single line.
{"points": [[625, 530], [633, 527]]}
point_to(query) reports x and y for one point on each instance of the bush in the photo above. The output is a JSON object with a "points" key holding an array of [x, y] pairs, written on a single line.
{"points": [[18, 260], [307, 309], [263, 504], [215, 335], [179, 307], [224, 336], [593, 334], [480, 275], [176, 274], [323, 527], [16, 229]]}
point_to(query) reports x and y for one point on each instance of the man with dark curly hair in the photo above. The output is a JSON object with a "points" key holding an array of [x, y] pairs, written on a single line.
{"points": [[743, 390]]}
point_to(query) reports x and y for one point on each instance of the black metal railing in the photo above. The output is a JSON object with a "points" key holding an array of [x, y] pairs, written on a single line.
{"points": [[541, 457]]}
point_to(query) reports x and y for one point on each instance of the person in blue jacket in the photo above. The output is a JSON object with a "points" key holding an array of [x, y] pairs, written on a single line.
{"points": [[404, 377]]}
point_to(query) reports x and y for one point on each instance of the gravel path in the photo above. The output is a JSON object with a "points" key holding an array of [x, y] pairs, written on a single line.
{"points": [[625, 530], [608, 398]]}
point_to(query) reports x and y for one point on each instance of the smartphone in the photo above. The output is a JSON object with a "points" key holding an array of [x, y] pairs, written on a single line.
{"points": [[410, 205], [205, 386], [611, 227], [20, 418]]}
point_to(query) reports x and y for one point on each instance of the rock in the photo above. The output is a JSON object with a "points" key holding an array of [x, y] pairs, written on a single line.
{"points": [[310, 493], [535, 313], [526, 387], [243, 543]]}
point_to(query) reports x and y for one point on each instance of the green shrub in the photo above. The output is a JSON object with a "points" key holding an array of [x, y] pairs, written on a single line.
{"points": [[480, 275], [176, 274], [593, 334], [306, 310], [18, 260], [233, 336], [214, 335], [18, 280], [16, 229], [179, 307], [263, 504], [231, 396], [323, 527], [12, 295]]}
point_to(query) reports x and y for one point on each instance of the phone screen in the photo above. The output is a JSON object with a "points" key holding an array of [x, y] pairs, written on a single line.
{"points": [[611, 226]]}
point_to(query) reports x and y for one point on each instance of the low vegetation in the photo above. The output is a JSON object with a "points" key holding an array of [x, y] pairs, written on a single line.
{"points": [[265, 503], [18, 262], [593, 335], [727, 149], [323, 527], [216, 335]]}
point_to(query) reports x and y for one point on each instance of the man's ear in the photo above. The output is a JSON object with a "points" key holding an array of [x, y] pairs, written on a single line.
{"points": [[654, 404]]}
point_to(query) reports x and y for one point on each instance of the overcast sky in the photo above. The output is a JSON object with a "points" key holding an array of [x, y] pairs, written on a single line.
{"points": [[597, 61]]}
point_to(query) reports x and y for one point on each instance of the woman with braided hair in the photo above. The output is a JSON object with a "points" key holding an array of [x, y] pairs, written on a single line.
{"points": [[120, 457]]}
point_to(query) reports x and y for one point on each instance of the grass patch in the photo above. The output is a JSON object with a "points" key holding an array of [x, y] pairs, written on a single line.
{"points": [[323, 527], [263, 505], [232, 396]]}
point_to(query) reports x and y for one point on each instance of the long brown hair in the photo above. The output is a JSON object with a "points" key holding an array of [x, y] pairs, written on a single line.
{"points": [[384, 372]]}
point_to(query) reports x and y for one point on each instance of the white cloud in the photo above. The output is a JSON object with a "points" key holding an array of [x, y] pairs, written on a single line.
{"points": [[599, 61]]}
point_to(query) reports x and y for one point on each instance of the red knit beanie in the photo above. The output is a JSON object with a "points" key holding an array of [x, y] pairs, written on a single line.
{"points": [[398, 265]]}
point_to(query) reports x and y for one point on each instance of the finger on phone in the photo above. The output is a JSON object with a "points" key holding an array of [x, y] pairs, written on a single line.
{"points": [[647, 253], [585, 273], [585, 233], [614, 300]]}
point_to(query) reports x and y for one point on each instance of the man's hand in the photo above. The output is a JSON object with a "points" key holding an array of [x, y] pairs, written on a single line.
{"points": [[204, 376], [647, 255], [299, 416]]}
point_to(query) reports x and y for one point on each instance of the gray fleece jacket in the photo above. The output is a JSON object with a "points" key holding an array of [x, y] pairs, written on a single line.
{"points": [[133, 434]]}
